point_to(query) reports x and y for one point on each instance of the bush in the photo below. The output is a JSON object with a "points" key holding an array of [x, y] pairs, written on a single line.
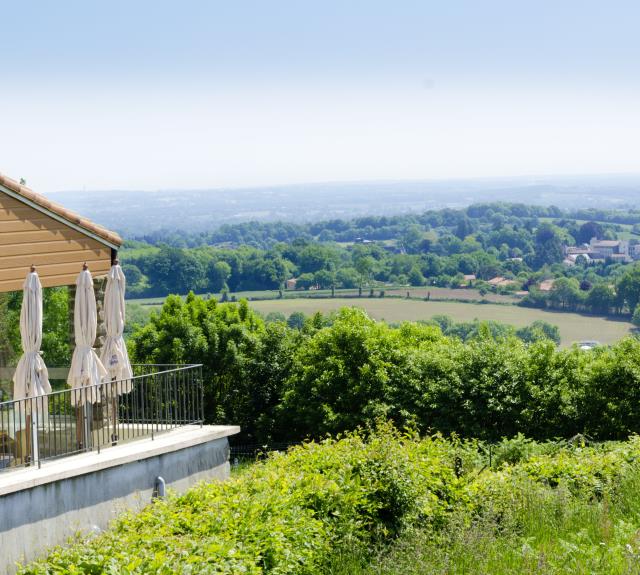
{"points": [[295, 512], [318, 376], [283, 516]]}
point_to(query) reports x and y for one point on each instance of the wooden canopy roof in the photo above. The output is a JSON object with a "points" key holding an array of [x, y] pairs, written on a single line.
{"points": [[37, 231]]}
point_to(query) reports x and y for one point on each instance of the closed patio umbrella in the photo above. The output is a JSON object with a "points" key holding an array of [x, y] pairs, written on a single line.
{"points": [[86, 368], [31, 378], [114, 354]]}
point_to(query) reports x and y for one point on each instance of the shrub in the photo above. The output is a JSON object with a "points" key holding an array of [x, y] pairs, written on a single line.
{"points": [[283, 516], [295, 512]]}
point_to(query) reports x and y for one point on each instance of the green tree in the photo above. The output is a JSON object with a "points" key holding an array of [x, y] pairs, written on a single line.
{"points": [[587, 231], [296, 320], [548, 246], [137, 282], [347, 278], [343, 376], [539, 330], [7, 351], [218, 272], [315, 257], [324, 279], [412, 238], [464, 228], [415, 277], [175, 270], [364, 265], [223, 336], [305, 281], [628, 288], [565, 293], [56, 348], [600, 299]]}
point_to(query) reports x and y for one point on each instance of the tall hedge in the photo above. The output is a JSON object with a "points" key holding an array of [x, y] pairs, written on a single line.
{"points": [[287, 384]]}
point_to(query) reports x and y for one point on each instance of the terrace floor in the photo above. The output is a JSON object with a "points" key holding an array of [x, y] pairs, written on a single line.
{"points": [[53, 470]]}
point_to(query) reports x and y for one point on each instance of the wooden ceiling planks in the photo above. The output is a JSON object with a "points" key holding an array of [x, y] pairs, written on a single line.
{"points": [[30, 237]]}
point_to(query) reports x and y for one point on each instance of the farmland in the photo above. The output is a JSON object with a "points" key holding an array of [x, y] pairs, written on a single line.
{"points": [[460, 304], [573, 327], [432, 292]]}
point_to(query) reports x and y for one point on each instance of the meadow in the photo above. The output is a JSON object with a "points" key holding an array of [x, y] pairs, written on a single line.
{"points": [[433, 292], [573, 327], [460, 304]]}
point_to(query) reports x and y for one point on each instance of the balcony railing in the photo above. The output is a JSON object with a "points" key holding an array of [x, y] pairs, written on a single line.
{"points": [[157, 399]]}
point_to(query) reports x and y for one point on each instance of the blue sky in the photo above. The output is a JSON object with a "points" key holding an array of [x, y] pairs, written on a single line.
{"points": [[148, 95]]}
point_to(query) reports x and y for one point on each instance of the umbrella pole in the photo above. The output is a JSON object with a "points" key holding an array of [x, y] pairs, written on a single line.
{"points": [[28, 447], [79, 426], [114, 411]]}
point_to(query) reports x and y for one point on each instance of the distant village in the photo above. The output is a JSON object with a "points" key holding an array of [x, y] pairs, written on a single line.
{"points": [[600, 250], [596, 251]]}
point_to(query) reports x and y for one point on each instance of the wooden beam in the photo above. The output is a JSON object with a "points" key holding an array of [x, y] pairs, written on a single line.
{"points": [[11, 214], [53, 257], [55, 234], [50, 281], [59, 269], [56, 246]]}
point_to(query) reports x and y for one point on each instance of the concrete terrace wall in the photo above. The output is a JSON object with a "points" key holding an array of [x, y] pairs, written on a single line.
{"points": [[40, 508]]}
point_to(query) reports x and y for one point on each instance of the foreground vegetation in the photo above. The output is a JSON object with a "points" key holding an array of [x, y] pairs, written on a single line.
{"points": [[389, 503]]}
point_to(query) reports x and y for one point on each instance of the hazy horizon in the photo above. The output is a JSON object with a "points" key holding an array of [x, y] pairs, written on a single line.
{"points": [[528, 179], [158, 95], [135, 212]]}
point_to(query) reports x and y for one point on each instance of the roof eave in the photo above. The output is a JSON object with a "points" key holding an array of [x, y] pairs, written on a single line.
{"points": [[38, 202]]}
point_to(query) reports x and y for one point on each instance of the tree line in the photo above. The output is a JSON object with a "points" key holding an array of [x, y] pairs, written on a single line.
{"points": [[524, 244], [265, 235]]}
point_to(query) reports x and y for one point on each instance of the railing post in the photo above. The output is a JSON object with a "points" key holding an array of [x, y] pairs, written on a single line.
{"points": [[201, 390], [87, 426]]}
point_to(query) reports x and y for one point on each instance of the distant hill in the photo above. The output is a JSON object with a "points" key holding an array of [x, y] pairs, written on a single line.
{"points": [[136, 212]]}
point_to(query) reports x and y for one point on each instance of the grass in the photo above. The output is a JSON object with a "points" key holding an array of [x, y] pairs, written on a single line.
{"points": [[541, 531], [573, 327], [460, 304], [436, 293], [131, 253]]}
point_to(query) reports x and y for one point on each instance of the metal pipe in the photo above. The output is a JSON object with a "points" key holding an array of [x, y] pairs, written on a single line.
{"points": [[159, 488]]}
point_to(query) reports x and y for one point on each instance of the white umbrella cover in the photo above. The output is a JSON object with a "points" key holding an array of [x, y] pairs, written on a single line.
{"points": [[31, 378], [114, 354], [86, 367]]}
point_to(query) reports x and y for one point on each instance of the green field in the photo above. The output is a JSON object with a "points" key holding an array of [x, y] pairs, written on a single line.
{"points": [[573, 327], [435, 293]]}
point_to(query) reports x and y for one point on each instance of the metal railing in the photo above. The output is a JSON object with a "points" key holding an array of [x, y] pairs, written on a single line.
{"points": [[156, 399]]}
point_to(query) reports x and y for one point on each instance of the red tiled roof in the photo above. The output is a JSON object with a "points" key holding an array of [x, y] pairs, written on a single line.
{"points": [[546, 285], [68, 215]]}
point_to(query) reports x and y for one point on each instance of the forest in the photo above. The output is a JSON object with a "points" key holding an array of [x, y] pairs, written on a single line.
{"points": [[523, 244]]}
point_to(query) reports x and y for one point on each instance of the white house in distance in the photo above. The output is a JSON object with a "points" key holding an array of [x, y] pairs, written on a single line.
{"points": [[617, 250]]}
